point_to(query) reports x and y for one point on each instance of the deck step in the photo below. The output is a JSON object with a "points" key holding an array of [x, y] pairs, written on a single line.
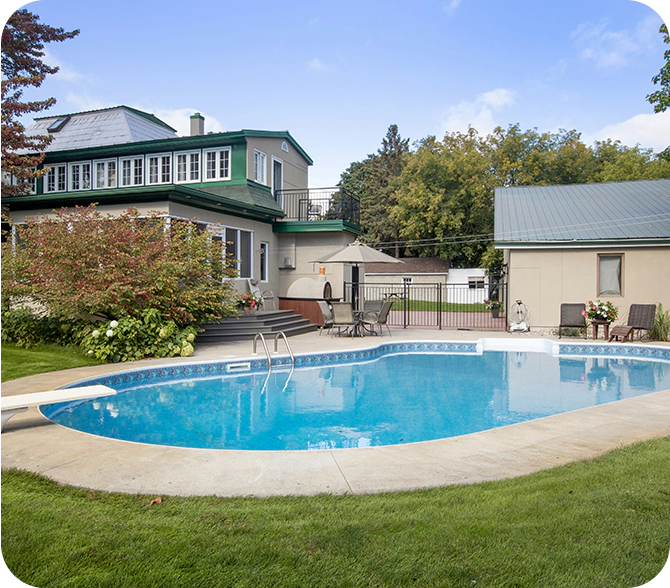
{"points": [[244, 327]]}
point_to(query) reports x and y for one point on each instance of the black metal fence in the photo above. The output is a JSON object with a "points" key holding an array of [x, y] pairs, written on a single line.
{"points": [[435, 305], [319, 204]]}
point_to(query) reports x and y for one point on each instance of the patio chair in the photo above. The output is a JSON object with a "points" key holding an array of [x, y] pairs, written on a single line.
{"points": [[263, 295], [571, 316], [327, 315], [640, 318], [379, 319], [343, 318]]}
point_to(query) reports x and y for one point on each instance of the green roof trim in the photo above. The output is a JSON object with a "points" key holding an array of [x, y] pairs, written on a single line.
{"points": [[171, 144], [324, 226], [241, 200]]}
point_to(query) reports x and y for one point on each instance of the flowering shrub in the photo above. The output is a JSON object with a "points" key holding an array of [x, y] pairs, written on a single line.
{"points": [[492, 303], [130, 338], [601, 311], [248, 300], [80, 262]]}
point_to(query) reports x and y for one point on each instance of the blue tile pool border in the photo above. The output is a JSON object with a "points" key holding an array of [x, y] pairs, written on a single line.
{"points": [[165, 373]]}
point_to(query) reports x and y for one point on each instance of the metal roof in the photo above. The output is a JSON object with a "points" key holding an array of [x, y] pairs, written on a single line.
{"points": [[609, 211], [96, 128]]}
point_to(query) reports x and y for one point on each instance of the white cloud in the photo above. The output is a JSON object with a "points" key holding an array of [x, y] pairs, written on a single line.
{"points": [[478, 114], [65, 73], [651, 131], [79, 102], [317, 65], [616, 48], [180, 119], [451, 6]]}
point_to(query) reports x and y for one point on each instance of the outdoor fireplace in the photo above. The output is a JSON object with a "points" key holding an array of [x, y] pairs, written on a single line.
{"points": [[303, 294]]}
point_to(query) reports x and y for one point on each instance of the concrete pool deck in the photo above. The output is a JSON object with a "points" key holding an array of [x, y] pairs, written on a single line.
{"points": [[33, 443]]}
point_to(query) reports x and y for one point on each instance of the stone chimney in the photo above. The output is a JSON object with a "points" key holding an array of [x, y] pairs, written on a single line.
{"points": [[197, 124]]}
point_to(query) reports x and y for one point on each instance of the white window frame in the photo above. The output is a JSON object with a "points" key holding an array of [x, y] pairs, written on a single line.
{"points": [[238, 250], [11, 180], [79, 165], [160, 172], [264, 261], [59, 172], [107, 180], [133, 161], [219, 158], [260, 167], [192, 171], [605, 289]]}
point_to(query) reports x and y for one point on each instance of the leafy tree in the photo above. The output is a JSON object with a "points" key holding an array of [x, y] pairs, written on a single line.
{"points": [[79, 263], [23, 40], [614, 162], [371, 180], [661, 98], [445, 193]]}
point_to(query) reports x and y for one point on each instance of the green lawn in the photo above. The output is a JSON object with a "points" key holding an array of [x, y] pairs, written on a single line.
{"points": [[600, 523], [18, 361]]}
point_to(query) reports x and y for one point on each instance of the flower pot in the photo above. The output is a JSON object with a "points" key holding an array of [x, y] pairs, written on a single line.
{"points": [[495, 311], [248, 310]]}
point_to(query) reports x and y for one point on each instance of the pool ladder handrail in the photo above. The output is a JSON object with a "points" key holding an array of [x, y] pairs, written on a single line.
{"points": [[267, 352]]}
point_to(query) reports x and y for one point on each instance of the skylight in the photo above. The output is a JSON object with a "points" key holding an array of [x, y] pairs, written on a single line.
{"points": [[58, 124]]}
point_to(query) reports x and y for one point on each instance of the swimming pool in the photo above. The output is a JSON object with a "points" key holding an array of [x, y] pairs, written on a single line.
{"points": [[392, 394]]}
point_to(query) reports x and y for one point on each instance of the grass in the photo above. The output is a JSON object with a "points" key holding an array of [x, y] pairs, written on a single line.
{"points": [[433, 306], [18, 362], [600, 523]]}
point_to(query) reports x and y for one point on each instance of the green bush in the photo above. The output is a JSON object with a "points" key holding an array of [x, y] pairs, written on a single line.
{"points": [[132, 338], [661, 329], [26, 328]]}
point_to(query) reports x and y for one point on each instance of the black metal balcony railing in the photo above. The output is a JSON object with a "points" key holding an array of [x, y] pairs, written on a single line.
{"points": [[319, 204]]}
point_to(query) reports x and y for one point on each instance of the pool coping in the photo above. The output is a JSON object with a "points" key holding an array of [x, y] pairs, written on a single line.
{"points": [[32, 442]]}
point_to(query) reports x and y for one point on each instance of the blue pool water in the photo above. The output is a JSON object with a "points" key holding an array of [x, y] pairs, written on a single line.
{"points": [[384, 400]]}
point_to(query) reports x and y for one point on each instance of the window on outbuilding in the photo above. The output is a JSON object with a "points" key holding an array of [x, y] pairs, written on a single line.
{"points": [[610, 272]]}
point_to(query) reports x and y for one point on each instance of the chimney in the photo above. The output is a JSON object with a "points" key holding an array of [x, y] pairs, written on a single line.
{"points": [[197, 124]]}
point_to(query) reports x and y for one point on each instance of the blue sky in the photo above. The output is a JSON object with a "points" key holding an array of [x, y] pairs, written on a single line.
{"points": [[337, 74]]}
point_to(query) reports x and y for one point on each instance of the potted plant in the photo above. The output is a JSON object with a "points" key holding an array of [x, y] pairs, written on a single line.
{"points": [[600, 311], [248, 303], [494, 305]]}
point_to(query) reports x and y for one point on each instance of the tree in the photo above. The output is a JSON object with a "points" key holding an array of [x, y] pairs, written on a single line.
{"points": [[23, 40], [79, 263], [661, 98], [445, 194], [371, 180]]}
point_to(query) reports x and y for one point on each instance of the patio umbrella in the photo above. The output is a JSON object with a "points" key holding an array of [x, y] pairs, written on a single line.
{"points": [[357, 252]]}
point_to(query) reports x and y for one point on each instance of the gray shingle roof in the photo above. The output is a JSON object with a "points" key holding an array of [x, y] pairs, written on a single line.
{"points": [[96, 128], [610, 211]]}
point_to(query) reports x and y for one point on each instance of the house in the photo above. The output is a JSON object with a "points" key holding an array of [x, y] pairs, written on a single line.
{"points": [[253, 183], [575, 243]]}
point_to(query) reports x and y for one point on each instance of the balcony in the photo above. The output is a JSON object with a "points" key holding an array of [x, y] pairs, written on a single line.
{"points": [[319, 204]]}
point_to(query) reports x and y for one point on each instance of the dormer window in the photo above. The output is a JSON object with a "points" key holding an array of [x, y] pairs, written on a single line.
{"points": [[58, 124]]}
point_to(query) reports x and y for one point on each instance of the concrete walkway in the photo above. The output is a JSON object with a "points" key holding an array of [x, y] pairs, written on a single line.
{"points": [[33, 443]]}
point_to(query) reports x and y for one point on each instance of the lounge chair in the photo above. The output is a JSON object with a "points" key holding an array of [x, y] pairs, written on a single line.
{"points": [[379, 319], [571, 316], [327, 315], [640, 318], [263, 295], [343, 318]]}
